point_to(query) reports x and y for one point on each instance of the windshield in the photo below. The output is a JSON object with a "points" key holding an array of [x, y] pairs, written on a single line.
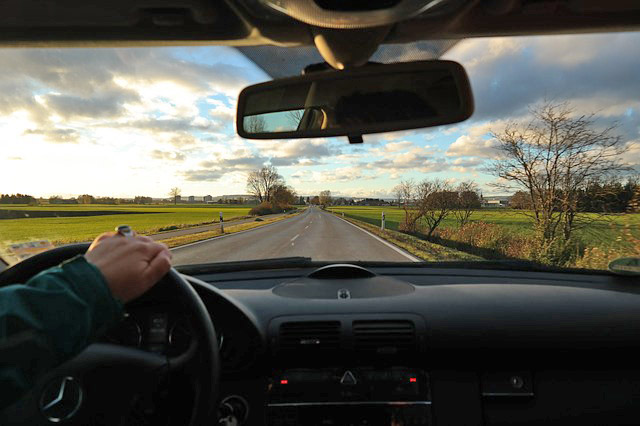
{"points": [[544, 171]]}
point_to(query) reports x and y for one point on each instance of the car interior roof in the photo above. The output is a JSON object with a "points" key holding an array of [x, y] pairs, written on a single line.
{"points": [[252, 23]]}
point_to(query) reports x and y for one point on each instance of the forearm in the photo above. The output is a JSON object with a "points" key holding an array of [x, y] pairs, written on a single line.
{"points": [[49, 320]]}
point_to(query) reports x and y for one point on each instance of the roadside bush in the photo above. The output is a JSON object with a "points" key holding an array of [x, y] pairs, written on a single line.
{"points": [[495, 242], [265, 208], [558, 252], [487, 240], [599, 258]]}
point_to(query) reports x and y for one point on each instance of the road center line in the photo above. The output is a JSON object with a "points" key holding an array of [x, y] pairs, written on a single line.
{"points": [[294, 238]]}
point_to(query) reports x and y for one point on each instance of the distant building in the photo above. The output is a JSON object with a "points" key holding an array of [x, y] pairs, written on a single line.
{"points": [[238, 199], [192, 199], [498, 201], [207, 198]]}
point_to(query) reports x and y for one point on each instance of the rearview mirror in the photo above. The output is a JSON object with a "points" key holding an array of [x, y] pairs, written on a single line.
{"points": [[373, 99]]}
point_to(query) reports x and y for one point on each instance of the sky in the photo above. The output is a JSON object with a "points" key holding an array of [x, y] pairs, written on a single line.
{"points": [[139, 121]]}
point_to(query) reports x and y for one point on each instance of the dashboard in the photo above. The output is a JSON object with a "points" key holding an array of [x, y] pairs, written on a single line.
{"points": [[410, 345]]}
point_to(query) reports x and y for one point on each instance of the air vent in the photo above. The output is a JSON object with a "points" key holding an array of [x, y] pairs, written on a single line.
{"points": [[384, 336], [312, 335]]}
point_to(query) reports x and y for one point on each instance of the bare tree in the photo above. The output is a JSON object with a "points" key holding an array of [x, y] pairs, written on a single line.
{"points": [[260, 183], [551, 158], [295, 117], [175, 193], [406, 194], [254, 124], [435, 201], [467, 201], [325, 198]]}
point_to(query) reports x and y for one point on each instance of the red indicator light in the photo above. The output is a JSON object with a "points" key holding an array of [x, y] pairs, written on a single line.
{"points": [[413, 379], [284, 381]]}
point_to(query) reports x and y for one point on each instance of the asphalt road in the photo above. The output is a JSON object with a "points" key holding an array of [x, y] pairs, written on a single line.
{"points": [[314, 233]]}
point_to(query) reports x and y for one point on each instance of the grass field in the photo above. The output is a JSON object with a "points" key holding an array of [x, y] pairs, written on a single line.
{"points": [[73, 229], [601, 234]]}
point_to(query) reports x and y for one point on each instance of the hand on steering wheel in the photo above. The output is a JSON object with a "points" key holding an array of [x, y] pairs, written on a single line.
{"points": [[108, 374]]}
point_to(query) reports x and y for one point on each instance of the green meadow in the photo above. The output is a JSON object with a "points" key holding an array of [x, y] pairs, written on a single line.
{"points": [[146, 220], [601, 232]]}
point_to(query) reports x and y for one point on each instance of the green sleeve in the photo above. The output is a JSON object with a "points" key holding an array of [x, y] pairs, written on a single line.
{"points": [[50, 319]]}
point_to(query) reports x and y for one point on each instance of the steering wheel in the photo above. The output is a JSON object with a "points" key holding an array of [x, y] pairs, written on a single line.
{"points": [[98, 386]]}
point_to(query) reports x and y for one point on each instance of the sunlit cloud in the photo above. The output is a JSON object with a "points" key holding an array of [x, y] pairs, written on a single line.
{"points": [[140, 121]]}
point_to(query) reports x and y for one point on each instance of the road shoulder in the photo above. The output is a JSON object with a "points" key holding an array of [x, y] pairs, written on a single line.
{"points": [[229, 229], [415, 247]]}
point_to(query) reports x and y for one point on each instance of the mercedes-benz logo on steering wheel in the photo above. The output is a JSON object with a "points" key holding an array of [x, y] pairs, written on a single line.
{"points": [[61, 399]]}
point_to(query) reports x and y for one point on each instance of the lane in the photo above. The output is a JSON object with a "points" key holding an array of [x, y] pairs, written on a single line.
{"points": [[314, 233]]}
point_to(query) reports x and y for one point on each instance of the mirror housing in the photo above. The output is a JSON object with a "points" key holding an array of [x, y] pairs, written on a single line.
{"points": [[372, 99], [625, 266]]}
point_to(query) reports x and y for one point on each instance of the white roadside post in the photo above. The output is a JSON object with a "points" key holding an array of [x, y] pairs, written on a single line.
{"points": [[221, 223], [382, 222]]}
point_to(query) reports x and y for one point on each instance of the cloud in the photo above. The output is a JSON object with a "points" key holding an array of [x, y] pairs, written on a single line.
{"points": [[632, 154], [182, 139], [341, 174], [172, 125], [397, 146], [202, 175], [99, 105], [149, 89], [297, 152], [167, 155], [55, 135], [472, 146], [243, 161], [593, 71], [221, 111]]}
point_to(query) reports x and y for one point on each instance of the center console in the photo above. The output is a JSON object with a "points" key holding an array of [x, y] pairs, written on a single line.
{"points": [[361, 396]]}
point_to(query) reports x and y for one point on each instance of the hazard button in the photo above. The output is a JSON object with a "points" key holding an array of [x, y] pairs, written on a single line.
{"points": [[348, 378]]}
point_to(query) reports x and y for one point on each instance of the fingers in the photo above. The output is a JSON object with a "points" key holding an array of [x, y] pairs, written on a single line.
{"points": [[103, 236], [158, 266], [100, 238]]}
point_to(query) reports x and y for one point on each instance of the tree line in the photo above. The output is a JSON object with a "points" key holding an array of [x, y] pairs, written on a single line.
{"points": [[614, 196], [17, 199]]}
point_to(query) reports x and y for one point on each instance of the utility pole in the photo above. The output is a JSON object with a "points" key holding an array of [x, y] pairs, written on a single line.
{"points": [[382, 222]]}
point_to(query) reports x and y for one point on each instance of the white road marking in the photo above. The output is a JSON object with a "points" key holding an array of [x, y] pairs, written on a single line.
{"points": [[306, 227], [294, 238], [386, 243]]}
